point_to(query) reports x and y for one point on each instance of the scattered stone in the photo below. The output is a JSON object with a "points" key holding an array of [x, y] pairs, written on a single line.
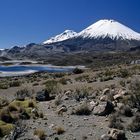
{"points": [[68, 92], [62, 109], [114, 134], [103, 98], [117, 134], [105, 91], [105, 137], [120, 94]]}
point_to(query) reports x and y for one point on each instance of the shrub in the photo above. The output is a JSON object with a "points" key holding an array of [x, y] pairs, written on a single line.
{"points": [[35, 84], [126, 110], [4, 86], [6, 116], [15, 84], [109, 73], [63, 81], [22, 94], [115, 122], [123, 73], [77, 71], [122, 83], [24, 104], [83, 109], [5, 128], [135, 92], [40, 134], [134, 126], [82, 78], [81, 94], [58, 100], [52, 87], [59, 130]]}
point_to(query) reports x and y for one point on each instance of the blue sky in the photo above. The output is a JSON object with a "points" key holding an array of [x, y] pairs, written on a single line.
{"points": [[26, 21]]}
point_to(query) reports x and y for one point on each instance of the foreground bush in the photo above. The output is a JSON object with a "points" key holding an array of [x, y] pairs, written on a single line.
{"points": [[5, 128], [17, 110]]}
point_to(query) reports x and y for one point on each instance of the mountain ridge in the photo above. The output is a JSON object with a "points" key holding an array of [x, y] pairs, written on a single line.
{"points": [[104, 35]]}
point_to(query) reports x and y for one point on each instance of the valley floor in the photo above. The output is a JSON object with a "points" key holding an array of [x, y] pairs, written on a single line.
{"points": [[80, 99]]}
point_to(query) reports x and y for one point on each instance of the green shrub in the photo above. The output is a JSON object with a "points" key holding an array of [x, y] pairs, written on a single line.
{"points": [[5, 128]]}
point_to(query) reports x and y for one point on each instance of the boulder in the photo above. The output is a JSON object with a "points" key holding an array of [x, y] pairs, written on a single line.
{"points": [[44, 96], [104, 108], [121, 93], [93, 104]]}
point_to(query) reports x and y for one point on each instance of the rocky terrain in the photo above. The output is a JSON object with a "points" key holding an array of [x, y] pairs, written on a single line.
{"points": [[99, 104]]}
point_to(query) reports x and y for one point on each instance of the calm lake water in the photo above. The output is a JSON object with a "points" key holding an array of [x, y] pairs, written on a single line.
{"points": [[21, 70]]}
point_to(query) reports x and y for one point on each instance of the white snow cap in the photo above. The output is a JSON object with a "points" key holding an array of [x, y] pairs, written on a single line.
{"points": [[67, 34], [109, 28]]}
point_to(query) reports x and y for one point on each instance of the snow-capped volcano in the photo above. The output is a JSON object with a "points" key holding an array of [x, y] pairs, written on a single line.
{"points": [[61, 37], [111, 29]]}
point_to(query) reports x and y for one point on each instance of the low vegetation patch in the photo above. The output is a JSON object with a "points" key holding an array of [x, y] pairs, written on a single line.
{"points": [[5, 128], [134, 126], [59, 130], [40, 134], [83, 109], [115, 122], [52, 87]]}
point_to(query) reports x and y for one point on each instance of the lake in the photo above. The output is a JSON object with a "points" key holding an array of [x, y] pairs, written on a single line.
{"points": [[16, 70]]}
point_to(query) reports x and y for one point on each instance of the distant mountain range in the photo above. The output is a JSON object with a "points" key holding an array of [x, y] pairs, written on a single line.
{"points": [[104, 35]]}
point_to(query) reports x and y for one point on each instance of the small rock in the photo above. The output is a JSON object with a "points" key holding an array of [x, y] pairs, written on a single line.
{"points": [[105, 137], [85, 119], [68, 92], [105, 91], [62, 109], [117, 134], [103, 98]]}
